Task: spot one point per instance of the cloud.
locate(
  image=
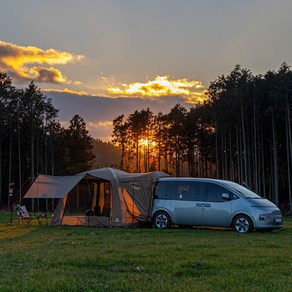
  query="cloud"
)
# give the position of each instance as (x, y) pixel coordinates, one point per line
(72, 92)
(102, 124)
(100, 129)
(34, 63)
(190, 90)
(66, 90)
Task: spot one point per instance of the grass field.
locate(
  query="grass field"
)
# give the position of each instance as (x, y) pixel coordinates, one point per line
(44, 258)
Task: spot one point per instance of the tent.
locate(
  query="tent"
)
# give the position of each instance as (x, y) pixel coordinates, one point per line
(115, 197)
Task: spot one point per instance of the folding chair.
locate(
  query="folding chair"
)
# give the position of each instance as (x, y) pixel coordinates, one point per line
(23, 215)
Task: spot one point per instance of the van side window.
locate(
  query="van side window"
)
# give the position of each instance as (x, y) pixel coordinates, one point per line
(214, 193)
(197, 191)
(180, 191)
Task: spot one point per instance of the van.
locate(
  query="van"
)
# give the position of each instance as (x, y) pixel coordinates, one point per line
(211, 202)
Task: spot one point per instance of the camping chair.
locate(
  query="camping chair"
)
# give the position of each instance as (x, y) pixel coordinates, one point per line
(23, 215)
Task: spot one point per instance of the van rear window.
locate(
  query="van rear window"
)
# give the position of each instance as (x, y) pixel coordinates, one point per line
(161, 191)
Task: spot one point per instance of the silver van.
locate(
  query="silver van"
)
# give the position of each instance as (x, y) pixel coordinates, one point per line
(211, 202)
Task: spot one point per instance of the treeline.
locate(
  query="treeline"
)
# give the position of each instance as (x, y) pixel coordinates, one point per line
(106, 154)
(242, 133)
(32, 140)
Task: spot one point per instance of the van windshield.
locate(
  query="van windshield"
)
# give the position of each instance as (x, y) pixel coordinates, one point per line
(244, 191)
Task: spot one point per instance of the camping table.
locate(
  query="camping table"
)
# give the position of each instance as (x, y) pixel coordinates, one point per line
(41, 218)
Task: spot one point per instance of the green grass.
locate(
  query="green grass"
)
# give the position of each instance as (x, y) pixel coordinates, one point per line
(44, 258)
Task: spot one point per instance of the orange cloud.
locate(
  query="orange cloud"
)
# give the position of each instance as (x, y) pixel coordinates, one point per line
(66, 90)
(34, 63)
(70, 91)
(100, 124)
(91, 125)
(192, 91)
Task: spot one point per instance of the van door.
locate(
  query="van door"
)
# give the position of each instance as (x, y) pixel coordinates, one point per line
(186, 202)
(216, 210)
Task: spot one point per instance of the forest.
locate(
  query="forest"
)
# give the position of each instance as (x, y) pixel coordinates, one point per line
(241, 133)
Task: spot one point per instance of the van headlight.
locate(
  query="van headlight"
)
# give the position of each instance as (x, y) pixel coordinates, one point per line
(264, 217)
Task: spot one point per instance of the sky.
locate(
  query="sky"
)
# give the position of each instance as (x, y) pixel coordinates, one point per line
(104, 58)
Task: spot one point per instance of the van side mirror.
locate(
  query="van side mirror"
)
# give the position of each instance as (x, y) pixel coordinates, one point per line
(226, 196)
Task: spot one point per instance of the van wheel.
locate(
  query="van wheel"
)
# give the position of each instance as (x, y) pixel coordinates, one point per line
(242, 224)
(161, 220)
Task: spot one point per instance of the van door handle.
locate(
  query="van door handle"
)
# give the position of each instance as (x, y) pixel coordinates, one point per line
(199, 205)
(207, 205)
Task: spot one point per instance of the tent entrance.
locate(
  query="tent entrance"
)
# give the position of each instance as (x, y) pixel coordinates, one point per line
(88, 203)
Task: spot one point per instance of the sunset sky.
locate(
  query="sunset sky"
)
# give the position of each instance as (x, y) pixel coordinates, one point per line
(101, 59)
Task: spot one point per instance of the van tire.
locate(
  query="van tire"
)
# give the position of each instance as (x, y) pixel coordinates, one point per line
(242, 224)
(161, 220)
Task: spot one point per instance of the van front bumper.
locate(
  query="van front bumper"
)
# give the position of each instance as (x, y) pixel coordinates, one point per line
(271, 220)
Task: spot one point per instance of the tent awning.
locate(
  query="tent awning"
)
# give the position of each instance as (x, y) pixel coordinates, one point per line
(50, 187)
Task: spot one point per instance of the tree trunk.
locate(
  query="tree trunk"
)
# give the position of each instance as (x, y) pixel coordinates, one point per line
(191, 154)
(231, 173)
(32, 155)
(275, 161)
(46, 153)
(166, 160)
(46, 146)
(177, 164)
(122, 156)
(238, 157)
(225, 155)
(159, 155)
(39, 165)
(52, 157)
(255, 158)
(222, 158)
(1, 188)
(263, 167)
(288, 165)
(216, 150)
(289, 128)
(138, 156)
(10, 163)
(244, 143)
(19, 165)
(241, 159)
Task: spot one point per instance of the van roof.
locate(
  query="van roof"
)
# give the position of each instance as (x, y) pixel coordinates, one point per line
(190, 178)
(198, 179)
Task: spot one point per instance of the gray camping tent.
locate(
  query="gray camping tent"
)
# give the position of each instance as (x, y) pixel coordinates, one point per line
(118, 198)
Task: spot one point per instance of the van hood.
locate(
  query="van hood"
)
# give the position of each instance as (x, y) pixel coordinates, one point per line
(262, 203)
